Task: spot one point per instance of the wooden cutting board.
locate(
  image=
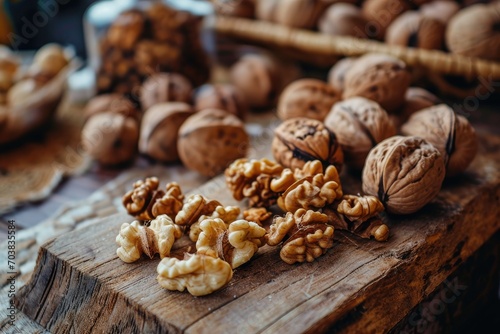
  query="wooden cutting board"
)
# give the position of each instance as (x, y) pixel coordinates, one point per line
(81, 286)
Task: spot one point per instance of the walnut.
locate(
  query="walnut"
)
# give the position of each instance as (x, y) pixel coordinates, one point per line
(47, 63)
(170, 203)
(140, 200)
(336, 75)
(159, 130)
(404, 172)
(216, 132)
(416, 30)
(126, 29)
(157, 238)
(291, 13)
(359, 124)
(473, 31)
(416, 99)
(343, 19)
(240, 8)
(235, 243)
(21, 91)
(195, 207)
(228, 215)
(299, 140)
(257, 215)
(450, 133)
(199, 274)
(9, 65)
(221, 96)
(440, 10)
(111, 138)
(358, 215)
(378, 77)
(305, 235)
(381, 13)
(112, 102)
(252, 178)
(165, 87)
(309, 98)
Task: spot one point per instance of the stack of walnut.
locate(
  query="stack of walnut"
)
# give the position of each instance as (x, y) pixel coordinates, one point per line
(311, 197)
(140, 43)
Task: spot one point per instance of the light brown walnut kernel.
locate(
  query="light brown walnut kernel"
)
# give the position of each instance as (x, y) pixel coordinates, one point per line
(306, 235)
(299, 140)
(359, 208)
(157, 238)
(199, 274)
(257, 215)
(404, 172)
(310, 98)
(235, 243)
(359, 124)
(195, 207)
(140, 200)
(228, 215)
(171, 203)
(451, 134)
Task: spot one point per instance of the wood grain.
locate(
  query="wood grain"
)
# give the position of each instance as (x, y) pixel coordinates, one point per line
(80, 285)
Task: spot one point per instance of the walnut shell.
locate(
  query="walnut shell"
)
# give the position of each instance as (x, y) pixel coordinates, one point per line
(159, 130)
(240, 8)
(416, 99)
(210, 140)
(405, 173)
(291, 13)
(343, 19)
(309, 98)
(442, 10)
(381, 13)
(336, 75)
(359, 124)
(110, 138)
(378, 77)
(450, 133)
(116, 103)
(257, 78)
(299, 140)
(415, 30)
(474, 31)
(221, 96)
(165, 87)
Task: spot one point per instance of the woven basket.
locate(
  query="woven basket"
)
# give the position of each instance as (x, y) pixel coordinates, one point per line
(325, 46)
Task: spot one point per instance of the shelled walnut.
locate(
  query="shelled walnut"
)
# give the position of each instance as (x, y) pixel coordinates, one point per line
(404, 172)
(378, 77)
(215, 131)
(305, 235)
(195, 207)
(252, 179)
(358, 215)
(199, 274)
(145, 201)
(112, 102)
(235, 243)
(450, 133)
(111, 138)
(227, 214)
(257, 215)
(156, 238)
(159, 130)
(309, 98)
(221, 96)
(299, 140)
(359, 124)
(165, 87)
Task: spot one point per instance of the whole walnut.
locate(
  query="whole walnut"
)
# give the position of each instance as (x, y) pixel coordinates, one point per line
(240, 8)
(450, 133)
(165, 87)
(299, 140)
(210, 140)
(336, 75)
(381, 13)
(359, 124)
(343, 19)
(309, 98)
(159, 130)
(415, 30)
(416, 99)
(113, 102)
(378, 77)
(442, 10)
(257, 78)
(405, 173)
(221, 96)
(474, 31)
(110, 138)
(291, 13)
(47, 62)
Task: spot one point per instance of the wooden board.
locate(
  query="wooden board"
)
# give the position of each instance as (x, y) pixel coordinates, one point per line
(80, 285)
